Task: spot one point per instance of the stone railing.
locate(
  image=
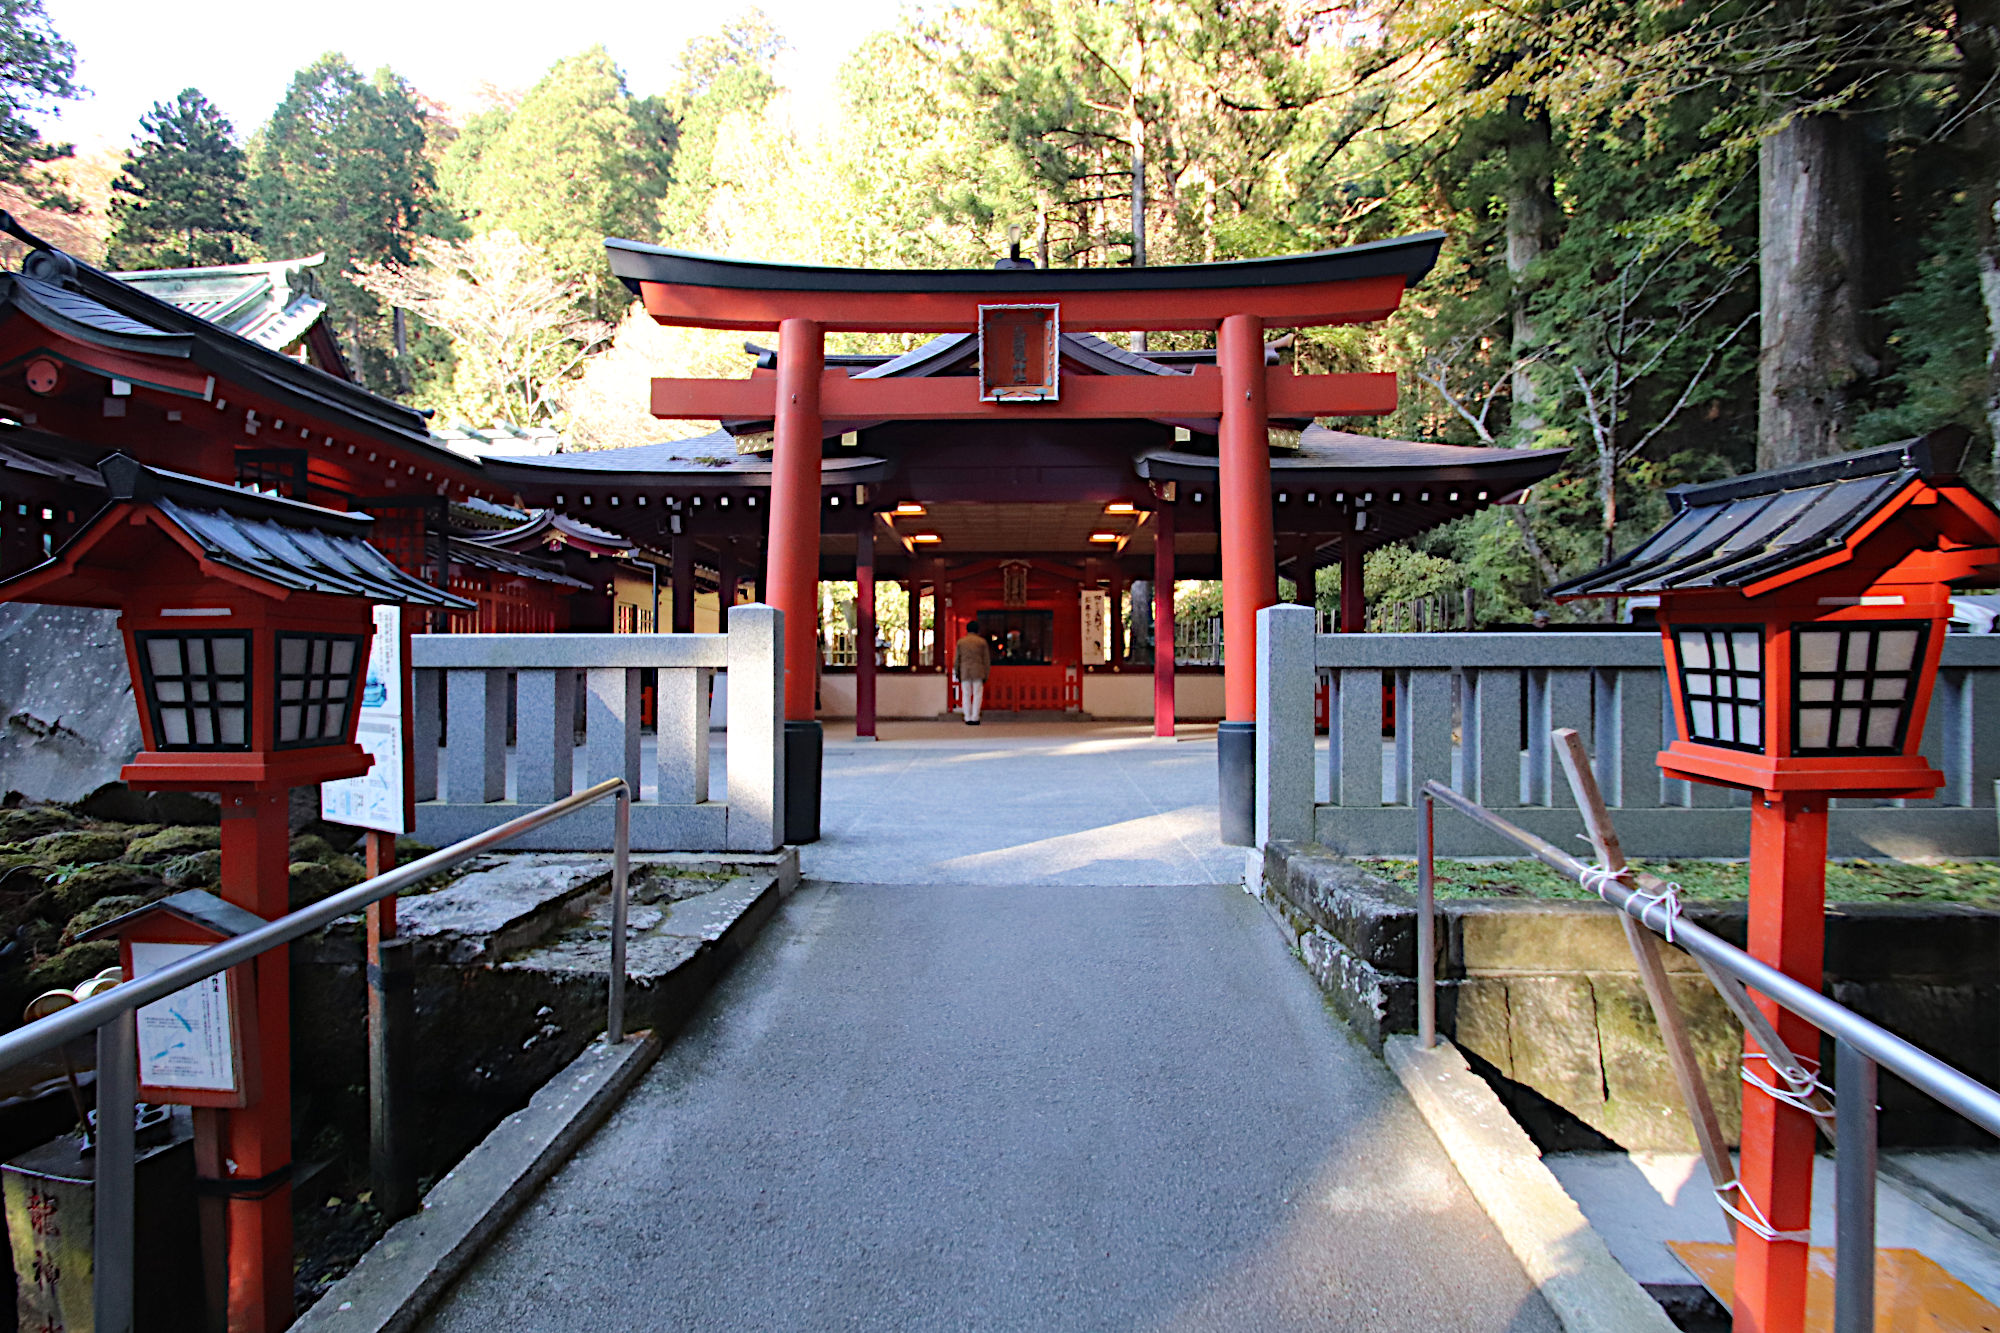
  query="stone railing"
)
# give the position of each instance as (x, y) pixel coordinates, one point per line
(1474, 711)
(473, 781)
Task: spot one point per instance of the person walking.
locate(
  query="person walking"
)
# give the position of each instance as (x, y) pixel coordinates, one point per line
(971, 661)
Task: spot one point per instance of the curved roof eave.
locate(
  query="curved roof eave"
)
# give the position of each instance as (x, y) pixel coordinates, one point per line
(751, 472)
(1408, 257)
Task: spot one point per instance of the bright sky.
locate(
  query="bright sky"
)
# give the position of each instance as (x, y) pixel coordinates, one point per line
(132, 53)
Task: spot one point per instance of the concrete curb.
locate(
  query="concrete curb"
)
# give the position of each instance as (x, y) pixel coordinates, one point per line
(1567, 1261)
(395, 1283)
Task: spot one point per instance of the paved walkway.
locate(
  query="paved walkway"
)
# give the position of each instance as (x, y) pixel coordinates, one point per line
(1020, 802)
(1025, 1095)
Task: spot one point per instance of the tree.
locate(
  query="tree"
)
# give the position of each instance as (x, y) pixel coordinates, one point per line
(37, 69)
(577, 160)
(511, 317)
(180, 201)
(341, 167)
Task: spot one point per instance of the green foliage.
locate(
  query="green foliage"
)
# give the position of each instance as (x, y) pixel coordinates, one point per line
(580, 158)
(1938, 345)
(180, 201)
(341, 167)
(37, 69)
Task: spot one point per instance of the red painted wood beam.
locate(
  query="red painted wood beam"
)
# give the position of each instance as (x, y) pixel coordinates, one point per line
(948, 398)
(1352, 301)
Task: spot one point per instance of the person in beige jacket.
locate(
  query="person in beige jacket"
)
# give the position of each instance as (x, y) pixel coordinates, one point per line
(972, 660)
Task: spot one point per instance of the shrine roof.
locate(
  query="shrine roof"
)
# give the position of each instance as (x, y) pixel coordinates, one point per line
(708, 458)
(97, 308)
(1725, 534)
(550, 527)
(1338, 455)
(479, 554)
(1406, 257)
(268, 303)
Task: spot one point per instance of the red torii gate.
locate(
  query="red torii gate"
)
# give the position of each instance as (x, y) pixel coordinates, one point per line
(1239, 300)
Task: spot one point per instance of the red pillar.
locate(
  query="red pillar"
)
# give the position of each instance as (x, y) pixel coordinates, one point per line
(1788, 931)
(795, 480)
(1115, 594)
(864, 624)
(683, 585)
(1249, 557)
(257, 1139)
(725, 573)
(1353, 597)
(1163, 619)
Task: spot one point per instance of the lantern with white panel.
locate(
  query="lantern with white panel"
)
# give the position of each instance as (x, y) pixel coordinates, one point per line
(1803, 612)
(247, 621)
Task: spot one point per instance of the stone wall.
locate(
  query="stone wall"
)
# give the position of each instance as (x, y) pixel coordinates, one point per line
(67, 720)
(1545, 1000)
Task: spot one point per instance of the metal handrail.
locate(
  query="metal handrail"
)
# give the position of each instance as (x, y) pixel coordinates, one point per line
(110, 1014)
(47, 1034)
(1959, 1091)
(1860, 1046)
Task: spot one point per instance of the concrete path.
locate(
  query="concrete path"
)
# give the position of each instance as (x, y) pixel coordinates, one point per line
(1033, 1107)
(1020, 802)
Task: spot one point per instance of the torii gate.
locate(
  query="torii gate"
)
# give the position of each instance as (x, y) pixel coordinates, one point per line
(1239, 300)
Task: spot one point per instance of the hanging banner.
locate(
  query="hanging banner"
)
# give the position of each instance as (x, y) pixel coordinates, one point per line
(380, 798)
(1096, 635)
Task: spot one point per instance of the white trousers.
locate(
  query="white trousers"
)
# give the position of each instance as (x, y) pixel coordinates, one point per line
(972, 693)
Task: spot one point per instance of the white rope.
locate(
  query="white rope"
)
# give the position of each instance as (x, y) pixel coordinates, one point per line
(1752, 1217)
(1667, 902)
(1800, 1082)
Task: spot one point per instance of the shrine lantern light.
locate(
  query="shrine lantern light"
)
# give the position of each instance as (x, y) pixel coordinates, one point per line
(1803, 611)
(246, 622)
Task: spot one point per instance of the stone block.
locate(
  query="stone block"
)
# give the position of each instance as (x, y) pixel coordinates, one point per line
(1553, 1025)
(1481, 1021)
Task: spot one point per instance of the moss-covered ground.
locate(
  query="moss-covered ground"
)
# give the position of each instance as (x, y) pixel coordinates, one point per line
(1972, 882)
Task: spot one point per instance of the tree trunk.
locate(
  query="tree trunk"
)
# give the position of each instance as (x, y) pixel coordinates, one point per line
(1979, 65)
(1138, 209)
(1813, 264)
(1531, 224)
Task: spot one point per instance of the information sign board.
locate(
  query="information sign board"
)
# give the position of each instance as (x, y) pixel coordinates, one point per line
(379, 798)
(187, 1040)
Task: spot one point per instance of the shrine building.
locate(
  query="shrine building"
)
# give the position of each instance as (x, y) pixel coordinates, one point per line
(1019, 468)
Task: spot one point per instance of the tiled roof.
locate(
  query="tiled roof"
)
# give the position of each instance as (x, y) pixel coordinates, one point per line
(1725, 534)
(296, 546)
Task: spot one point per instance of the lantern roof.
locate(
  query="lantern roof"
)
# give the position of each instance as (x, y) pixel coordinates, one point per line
(278, 546)
(195, 906)
(1770, 528)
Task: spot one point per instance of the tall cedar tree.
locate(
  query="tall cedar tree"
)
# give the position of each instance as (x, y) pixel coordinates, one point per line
(180, 201)
(577, 160)
(341, 168)
(37, 68)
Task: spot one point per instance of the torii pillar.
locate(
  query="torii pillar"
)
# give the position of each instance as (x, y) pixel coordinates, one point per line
(793, 563)
(1163, 618)
(1249, 564)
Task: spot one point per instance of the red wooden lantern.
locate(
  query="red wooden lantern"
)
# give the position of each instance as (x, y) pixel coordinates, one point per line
(246, 622)
(1803, 612)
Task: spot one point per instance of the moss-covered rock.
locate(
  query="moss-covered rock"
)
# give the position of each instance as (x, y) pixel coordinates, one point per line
(314, 880)
(312, 847)
(99, 912)
(76, 847)
(106, 880)
(196, 870)
(77, 963)
(168, 844)
(32, 821)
